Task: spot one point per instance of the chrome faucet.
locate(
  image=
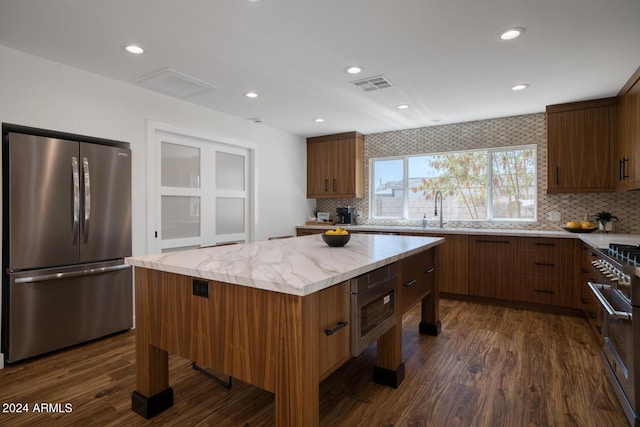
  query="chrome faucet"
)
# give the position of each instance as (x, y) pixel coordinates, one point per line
(436, 212)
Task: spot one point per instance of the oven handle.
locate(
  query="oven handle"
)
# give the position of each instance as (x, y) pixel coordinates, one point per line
(595, 288)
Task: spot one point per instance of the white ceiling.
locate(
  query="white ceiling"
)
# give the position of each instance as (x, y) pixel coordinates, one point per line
(443, 57)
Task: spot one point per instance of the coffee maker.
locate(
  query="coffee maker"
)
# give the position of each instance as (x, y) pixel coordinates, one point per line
(346, 216)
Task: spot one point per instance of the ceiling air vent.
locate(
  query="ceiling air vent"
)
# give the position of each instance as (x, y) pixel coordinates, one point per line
(373, 83)
(173, 83)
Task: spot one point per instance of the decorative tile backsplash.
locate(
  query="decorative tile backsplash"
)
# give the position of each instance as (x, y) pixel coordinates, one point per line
(502, 132)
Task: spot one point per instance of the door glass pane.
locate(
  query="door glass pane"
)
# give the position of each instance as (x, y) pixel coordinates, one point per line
(229, 171)
(180, 217)
(229, 215)
(180, 166)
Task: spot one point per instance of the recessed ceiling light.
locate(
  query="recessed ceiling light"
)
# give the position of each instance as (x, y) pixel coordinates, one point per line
(132, 48)
(251, 95)
(318, 120)
(511, 33)
(402, 106)
(353, 69)
(521, 86)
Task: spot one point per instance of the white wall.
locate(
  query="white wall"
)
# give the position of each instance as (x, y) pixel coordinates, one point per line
(40, 93)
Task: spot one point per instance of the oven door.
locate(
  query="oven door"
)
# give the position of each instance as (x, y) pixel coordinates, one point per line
(372, 314)
(617, 330)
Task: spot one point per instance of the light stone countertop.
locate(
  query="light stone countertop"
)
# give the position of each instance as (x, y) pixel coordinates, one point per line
(297, 266)
(596, 236)
(601, 240)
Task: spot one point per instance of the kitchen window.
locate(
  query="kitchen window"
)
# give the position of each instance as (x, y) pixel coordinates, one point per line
(496, 184)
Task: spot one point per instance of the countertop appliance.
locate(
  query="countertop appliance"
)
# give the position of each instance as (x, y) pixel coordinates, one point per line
(66, 230)
(616, 286)
(346, 216)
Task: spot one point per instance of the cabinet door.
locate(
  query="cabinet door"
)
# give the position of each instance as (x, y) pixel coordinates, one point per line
(317, 169)
(334, 338)
(580, 150)
(628, 140)
(418, 278)
(453, 264)
(491, 266)
(344, 176)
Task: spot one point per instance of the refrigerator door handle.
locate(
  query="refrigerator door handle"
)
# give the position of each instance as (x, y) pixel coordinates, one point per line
(55, 276)
(87, 197)
(76, 198)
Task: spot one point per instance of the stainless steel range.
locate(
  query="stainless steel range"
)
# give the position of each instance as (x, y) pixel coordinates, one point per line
(618, 290)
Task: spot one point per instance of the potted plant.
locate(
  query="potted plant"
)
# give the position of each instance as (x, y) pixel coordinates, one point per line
(605, 219)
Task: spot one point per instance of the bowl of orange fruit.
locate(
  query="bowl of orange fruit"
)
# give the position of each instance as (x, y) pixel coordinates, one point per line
(580, 227)
(336, 238)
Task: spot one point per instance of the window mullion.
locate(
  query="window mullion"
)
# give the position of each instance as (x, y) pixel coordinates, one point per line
(405, 187)
(489, 185)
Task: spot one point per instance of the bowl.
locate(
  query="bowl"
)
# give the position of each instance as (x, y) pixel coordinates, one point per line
(580, 230)
(337, 240)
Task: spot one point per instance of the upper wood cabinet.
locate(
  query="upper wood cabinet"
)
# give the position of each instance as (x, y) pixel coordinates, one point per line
(627, 138)
(580, 138)
(335, 166)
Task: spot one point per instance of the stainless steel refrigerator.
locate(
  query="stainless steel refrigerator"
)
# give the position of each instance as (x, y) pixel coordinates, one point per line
(66, 231)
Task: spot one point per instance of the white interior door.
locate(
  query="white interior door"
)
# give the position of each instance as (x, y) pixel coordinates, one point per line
(203, 193)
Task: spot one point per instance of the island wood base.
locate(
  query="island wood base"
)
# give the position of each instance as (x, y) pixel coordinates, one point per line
(268, 339)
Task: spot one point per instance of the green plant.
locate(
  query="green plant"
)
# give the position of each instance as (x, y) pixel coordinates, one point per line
(605, 217)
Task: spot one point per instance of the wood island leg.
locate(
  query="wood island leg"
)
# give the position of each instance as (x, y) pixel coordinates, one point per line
(389, 369)
(430, 322)
(297, 394)
(153, 394)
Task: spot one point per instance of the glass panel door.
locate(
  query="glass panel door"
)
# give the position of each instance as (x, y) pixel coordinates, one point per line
(181, 193)
(231, 176)
(203, 196)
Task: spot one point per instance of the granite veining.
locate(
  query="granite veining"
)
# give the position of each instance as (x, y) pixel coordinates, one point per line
(297, 266)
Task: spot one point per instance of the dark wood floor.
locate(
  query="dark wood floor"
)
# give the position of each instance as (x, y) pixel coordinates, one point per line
(490, 366)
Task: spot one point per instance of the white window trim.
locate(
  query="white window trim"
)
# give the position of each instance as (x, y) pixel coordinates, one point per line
(490, 151)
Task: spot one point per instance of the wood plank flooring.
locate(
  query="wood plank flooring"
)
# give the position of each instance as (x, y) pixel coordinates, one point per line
(490, 366)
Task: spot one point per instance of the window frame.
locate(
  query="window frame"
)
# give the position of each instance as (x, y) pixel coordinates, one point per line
(489, 201)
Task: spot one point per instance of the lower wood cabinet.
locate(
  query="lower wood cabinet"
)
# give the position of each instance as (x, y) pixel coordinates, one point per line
(453, 260)
(546, 272)
(492, 271)
(417, 278)
(536, 270)
(334, 348)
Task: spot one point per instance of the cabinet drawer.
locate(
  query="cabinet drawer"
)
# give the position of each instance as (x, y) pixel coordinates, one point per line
(334, 347)
(418, 278)
(546, 266)
(545, 291)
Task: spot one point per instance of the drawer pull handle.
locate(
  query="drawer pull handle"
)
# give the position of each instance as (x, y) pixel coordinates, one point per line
(544, 244)
(340, 325)
(492, 241)
(410, 283)
(430, 270)
(544, 291)
(544, 264)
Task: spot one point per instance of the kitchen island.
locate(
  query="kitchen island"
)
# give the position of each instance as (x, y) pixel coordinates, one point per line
(253, 311)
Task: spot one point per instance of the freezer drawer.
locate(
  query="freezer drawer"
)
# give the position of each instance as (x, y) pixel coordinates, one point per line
(56, 308)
